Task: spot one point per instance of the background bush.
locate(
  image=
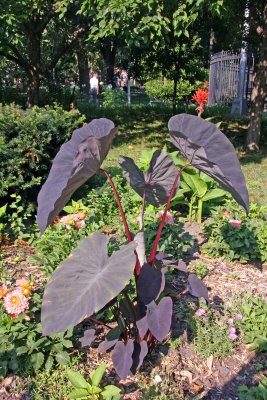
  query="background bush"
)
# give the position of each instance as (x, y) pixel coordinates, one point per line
(29, 140)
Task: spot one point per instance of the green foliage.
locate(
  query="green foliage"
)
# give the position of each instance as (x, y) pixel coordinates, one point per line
(254, 321)
(211, 335)
(258, 392)
(23, 349)
(29, 139)
(113, 98)
(18, 220)
(163, 89)
(2, 215)
(174, 240)
(52, 384)
(199, 268)
(249, 242)
(92, 389)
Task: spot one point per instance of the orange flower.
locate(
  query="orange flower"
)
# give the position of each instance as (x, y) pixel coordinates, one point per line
(26, 286)
(3, 291)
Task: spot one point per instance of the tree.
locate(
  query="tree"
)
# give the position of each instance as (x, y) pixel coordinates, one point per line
(258, 27)
(24, 26)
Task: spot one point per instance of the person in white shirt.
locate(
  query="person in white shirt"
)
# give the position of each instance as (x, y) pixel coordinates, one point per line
(94, 85)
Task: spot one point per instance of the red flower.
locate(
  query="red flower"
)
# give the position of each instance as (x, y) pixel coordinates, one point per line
(201, 97)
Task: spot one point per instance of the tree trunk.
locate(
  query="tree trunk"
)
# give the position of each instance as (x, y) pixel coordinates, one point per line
(174, 97)
(109, 54)
(83, 68)
(259, 91)
(34, 74)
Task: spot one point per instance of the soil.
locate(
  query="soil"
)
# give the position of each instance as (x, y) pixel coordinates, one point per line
(184, 374)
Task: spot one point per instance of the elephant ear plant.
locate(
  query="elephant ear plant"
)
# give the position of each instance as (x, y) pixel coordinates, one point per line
(89, 280)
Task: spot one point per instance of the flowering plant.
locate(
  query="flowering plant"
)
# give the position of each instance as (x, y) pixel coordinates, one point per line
(200, 97)
(16, 298)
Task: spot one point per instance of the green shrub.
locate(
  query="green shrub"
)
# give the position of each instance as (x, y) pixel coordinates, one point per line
(29, 139)
(113, 97)
(163, 89)
(248, 242)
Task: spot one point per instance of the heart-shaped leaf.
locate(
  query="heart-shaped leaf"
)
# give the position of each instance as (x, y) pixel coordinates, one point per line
(85, 282)
(141, 318)
(122, 358)
(88, 337)
(159, 318)
(139, 353)
(157, 182)
(106, 345)
(77, 160)
(210, 151)
(149, 283)
(197, 287)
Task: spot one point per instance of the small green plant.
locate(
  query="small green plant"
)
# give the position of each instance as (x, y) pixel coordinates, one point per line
(92, 389)
(199, 268)
(2, 215)
(258, 392)
(234, 236)
(210, 331)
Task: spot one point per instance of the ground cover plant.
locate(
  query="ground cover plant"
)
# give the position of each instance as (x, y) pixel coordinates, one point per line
(144, 317)
(235, 236)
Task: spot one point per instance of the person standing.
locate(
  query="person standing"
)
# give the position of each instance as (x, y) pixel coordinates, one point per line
(124, 79)
(94, 88)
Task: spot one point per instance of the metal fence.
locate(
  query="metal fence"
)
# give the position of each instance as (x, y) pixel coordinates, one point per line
(224, 77)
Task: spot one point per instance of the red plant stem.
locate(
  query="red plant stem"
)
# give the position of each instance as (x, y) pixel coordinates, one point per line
(126, 227)
(96, 321)
(156, 242)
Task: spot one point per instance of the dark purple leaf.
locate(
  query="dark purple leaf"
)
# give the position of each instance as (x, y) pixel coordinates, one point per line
(156, 182)
(77, 160)
(88, 337)
(209, 150)
(148, 283)
(141, 319)
(85, 282)
(122, 358)
(159, 318)
(163, 280)
(180, 265)
(142, 326)
(106, 345)
(141, 247)
(139, 353)
(197, 288)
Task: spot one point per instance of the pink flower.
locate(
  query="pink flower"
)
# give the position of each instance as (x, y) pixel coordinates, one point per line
(232, 330)
(232, 336)
(230, 321)
(80, 224)
(239, 316)
(168, 219)
(235, 223)
(15, 302)
(200, 312)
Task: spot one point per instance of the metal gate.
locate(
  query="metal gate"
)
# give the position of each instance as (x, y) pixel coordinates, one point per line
(224, 77)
